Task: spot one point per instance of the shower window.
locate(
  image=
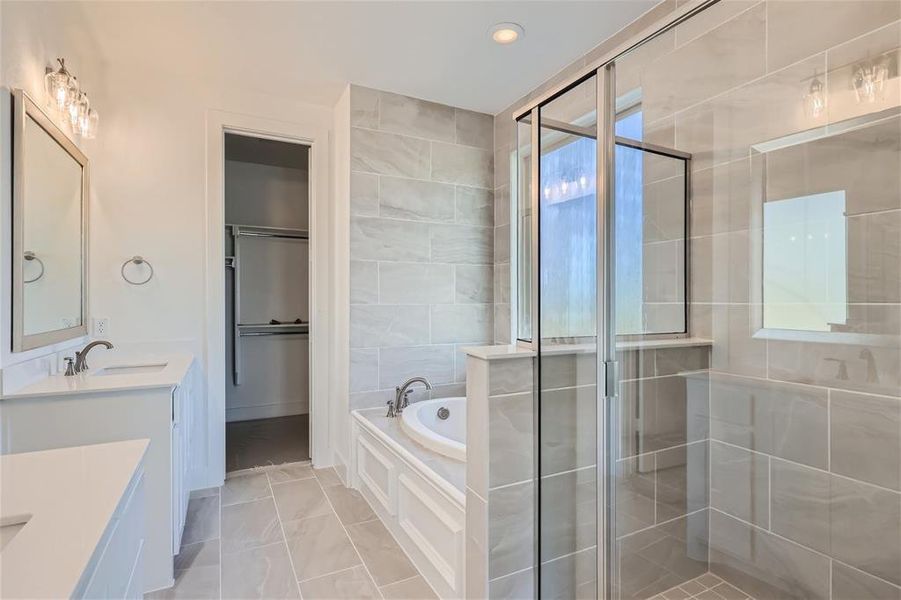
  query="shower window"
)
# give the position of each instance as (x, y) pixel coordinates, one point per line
(650, 231)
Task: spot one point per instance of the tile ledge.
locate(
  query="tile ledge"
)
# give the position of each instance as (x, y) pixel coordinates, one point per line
(512, 351)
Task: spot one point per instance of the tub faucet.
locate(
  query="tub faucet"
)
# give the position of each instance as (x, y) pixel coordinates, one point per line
(81, 357)
(402, 395)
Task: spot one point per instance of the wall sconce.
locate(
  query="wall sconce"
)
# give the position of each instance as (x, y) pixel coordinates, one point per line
(869, 80)
(65, 94)
(815, 99)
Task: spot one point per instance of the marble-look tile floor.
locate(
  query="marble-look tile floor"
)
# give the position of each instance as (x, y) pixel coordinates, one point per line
(705, 587)
(289, 532)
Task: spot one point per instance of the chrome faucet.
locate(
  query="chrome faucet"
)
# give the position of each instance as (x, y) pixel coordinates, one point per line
(81, 357)
(402, 395)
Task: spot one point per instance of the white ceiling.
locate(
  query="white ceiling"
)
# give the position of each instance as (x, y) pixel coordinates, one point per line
(307, 50)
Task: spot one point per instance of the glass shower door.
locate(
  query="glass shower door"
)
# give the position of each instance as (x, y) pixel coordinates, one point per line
(566, 336)
(757, 424)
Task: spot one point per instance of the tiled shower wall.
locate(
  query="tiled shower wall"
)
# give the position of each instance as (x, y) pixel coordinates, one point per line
(421, 242)
(804, 447)
(805, 436)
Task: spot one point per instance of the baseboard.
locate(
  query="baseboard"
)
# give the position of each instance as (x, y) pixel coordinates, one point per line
(266, 411)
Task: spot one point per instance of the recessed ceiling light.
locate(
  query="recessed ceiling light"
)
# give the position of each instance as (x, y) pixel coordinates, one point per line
(506, 33)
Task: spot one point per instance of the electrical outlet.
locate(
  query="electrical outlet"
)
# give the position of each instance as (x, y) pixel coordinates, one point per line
(101, 326)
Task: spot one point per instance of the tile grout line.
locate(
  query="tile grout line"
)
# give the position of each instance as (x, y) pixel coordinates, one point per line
(281, 526)
(349, 538)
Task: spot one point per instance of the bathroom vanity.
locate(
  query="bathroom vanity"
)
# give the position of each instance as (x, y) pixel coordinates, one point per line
(156, 399)
(71, 522)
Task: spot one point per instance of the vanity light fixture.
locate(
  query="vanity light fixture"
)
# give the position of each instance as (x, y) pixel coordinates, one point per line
(869, 80)
(506, 33)
(65, 94)
(59, 85)
(815, 99)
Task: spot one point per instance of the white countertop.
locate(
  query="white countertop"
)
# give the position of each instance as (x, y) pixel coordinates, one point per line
(71, 494)
(89, 382)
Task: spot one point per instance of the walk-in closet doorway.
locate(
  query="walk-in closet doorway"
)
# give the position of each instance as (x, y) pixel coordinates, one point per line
(267, 301)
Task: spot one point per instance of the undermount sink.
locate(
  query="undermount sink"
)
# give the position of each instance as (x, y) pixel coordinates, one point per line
(9, 527)
(129, 370)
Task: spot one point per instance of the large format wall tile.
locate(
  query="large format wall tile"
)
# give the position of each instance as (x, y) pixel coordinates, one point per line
(568, 516)
(510, 529)
(673, 411)
(739, 483)
(364, 282)
(865, 527)
(364, 194)
(734, 349)
(719, 60)
(415, 283)
(420, 118)
(462, 164)
(461, 244)
(865, 368)
(459, 323)
(796, 30)
(474, 284)
(634, 492)
(415, 200)
(474, 206)
(801, 504)
(511, 439)
(372, 326)
(570, 577)
(860, 162)
(388, 239)
(396, 365)
(475, 129)
(850, 584)
(364, 369)
(789, 421)
(568, 429)
(874, 257)
(764, 565)
(389, 154)
(866, 438)
(682, 480)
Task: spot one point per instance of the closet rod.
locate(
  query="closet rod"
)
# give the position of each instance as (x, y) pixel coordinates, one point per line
(262, 333)
(266, 234)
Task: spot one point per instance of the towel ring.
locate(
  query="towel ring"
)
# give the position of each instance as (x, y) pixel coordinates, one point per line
(138, 260)
(31, 256)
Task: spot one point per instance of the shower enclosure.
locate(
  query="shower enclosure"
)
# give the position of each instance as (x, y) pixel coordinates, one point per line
(709, 270)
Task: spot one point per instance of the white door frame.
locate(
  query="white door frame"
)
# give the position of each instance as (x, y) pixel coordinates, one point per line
(314, 131)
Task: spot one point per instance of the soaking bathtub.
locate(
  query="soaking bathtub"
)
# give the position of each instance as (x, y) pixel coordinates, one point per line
(439, 425)
(412, 471)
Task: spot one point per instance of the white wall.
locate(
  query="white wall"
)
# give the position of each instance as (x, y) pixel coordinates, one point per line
(31, 37)
(149, 180)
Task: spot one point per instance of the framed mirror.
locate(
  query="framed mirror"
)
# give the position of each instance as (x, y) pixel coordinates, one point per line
(50, 206)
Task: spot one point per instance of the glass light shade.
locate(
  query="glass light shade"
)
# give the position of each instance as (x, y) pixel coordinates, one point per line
(87, 125)
(815, 99)
(58, 85)
(78, 109)
(869, 81)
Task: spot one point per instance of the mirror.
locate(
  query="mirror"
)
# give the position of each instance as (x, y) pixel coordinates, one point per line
(50, 190)
(828, 268)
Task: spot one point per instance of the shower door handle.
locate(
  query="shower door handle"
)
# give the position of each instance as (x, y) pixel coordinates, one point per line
(609, 377)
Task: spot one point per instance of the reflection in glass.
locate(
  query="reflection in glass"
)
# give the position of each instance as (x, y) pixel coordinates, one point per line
(805, 266)
(51, 234)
